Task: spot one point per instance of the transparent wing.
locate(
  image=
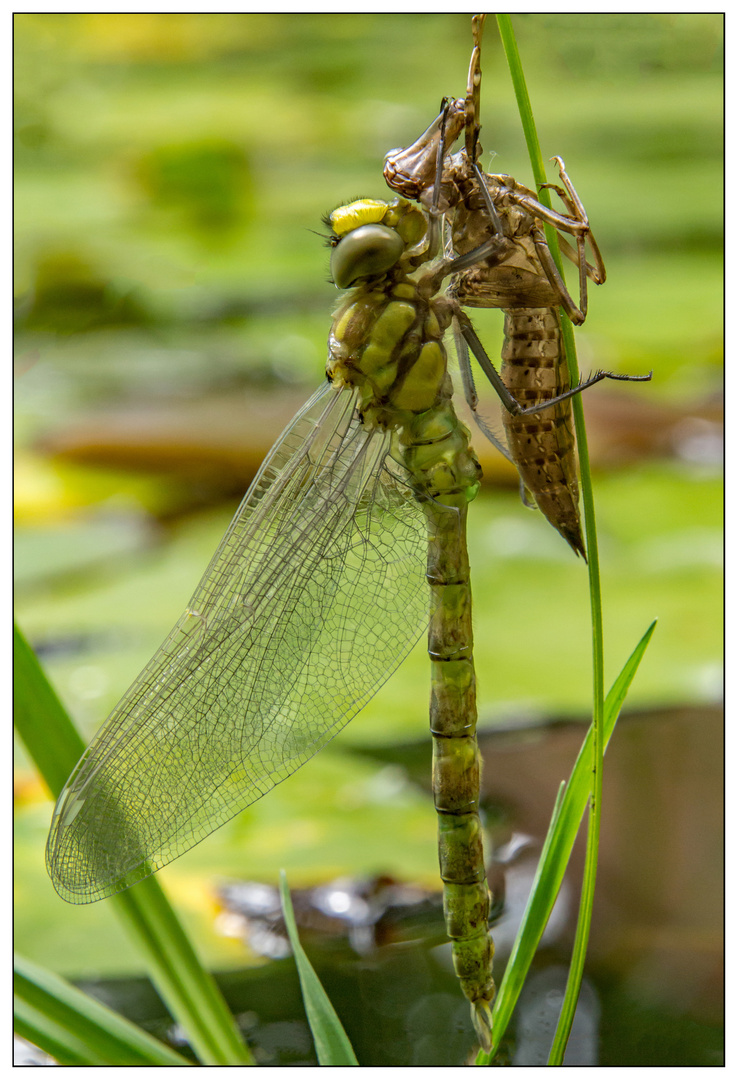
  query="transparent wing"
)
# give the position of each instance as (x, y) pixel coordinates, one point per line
(313, 598)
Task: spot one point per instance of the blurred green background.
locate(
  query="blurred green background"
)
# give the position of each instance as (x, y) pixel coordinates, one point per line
(172, 312)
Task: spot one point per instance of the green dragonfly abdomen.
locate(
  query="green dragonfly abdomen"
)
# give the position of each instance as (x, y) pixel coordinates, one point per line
(386, 341)
(457, 762)
(443, 463)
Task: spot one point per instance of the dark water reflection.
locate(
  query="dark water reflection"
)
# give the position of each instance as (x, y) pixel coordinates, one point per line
(653, 993)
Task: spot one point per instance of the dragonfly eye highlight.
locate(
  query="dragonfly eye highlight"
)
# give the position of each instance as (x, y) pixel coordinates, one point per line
(365, 252)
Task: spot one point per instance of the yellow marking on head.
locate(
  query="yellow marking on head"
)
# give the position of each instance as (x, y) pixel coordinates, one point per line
(361, 212)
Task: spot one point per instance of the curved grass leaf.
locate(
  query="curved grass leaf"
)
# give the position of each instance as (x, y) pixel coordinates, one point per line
(189, 991)
(75, 1028)
(331, 1041)
(552, 864)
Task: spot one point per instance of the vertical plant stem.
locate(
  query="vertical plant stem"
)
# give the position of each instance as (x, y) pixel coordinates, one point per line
(576, 969)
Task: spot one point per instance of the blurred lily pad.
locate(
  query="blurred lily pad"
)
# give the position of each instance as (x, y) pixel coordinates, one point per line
(207, 182)
(78, 546)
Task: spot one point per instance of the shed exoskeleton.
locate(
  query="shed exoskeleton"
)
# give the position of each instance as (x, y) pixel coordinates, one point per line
(496, 224)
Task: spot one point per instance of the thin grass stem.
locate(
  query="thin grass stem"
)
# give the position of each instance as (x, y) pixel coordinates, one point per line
(576, 969)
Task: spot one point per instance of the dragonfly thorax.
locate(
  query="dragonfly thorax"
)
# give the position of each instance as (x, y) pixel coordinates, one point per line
(386, 342)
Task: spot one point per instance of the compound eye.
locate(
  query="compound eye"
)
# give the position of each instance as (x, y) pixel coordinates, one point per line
(365, 252)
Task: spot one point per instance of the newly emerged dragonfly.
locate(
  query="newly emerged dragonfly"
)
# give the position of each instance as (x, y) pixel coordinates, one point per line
(519, 275)
(349, 543)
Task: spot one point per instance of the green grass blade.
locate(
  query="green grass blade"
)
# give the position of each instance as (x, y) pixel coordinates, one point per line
(552, 864)
(41, 720)
(189, 991)
(510, 45)
(331, 1042)
(75, 1028)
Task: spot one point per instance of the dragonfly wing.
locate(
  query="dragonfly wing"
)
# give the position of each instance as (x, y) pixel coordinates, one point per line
(313, 598)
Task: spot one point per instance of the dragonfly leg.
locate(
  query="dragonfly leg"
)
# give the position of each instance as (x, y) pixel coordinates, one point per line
(597, 377)
(430, 283)
(471, 339)
(435, 216)
(577, 225)
(562, 222)
(411, 171)
(449, 111)
(496, 242)
(508, 400)
(488, 203)
(593, 272)
(495, 246)
(574, 204)
(577, 315)
(470, 393)
(492, 246)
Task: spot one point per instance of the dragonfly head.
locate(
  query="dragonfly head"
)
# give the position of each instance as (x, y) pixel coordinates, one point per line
(411, 170)
(370, 236)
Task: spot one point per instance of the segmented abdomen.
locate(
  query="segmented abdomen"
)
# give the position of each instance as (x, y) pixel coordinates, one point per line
(534, 370)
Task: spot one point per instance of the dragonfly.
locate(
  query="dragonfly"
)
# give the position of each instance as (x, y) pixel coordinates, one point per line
(519, 275)
(349, 544)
